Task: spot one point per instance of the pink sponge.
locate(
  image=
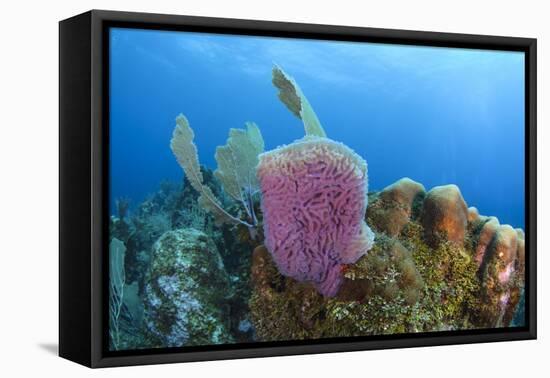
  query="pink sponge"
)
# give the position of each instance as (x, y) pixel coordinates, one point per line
(314, 197)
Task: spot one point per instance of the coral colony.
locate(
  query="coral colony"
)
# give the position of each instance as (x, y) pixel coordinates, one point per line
(278, 245)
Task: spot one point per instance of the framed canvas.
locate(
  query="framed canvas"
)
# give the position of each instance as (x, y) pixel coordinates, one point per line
(216, 202)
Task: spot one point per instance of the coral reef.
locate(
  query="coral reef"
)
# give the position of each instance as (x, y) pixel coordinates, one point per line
(415, 279)
(182, 272)
(186, 288)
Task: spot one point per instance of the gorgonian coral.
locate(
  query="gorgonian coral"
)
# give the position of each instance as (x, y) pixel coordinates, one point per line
(237, 162)
(236, 166)
(291, 95)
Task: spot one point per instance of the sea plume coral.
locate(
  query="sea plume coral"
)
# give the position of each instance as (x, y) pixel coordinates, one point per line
(117, 279)
(314, 197)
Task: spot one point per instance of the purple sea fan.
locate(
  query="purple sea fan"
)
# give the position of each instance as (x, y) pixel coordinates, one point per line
(314, 197)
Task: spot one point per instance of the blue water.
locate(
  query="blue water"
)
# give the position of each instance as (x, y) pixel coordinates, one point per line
(436, 115)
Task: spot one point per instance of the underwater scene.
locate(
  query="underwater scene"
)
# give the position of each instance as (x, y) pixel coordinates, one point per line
(242, 208)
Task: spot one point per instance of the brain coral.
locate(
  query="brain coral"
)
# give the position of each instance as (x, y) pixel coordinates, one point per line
(314, 197)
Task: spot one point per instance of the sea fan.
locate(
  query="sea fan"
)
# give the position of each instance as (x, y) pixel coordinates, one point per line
(291, 95)
(186, 154)
(237, 161)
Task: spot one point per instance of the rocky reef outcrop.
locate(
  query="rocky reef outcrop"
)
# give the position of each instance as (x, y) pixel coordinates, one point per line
(186, 289)
(435, 265)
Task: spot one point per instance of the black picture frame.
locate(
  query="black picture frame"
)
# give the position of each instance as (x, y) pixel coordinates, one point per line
(83, 181)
